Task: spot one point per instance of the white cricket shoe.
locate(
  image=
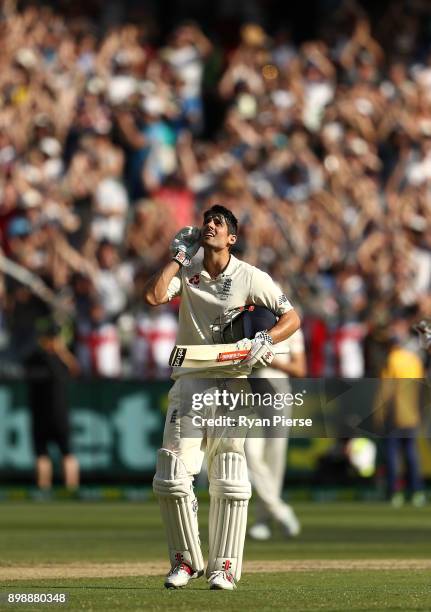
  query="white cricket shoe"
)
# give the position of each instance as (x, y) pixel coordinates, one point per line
(291, 526)
(179, 576)
(221, 580)
(260, 532)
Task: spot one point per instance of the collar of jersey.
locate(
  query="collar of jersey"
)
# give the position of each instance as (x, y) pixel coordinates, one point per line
(228, 270)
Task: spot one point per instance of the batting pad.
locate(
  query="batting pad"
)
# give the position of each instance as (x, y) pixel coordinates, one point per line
(230, 491)
(178, 505)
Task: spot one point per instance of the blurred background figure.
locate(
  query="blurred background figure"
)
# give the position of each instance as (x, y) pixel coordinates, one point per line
(154, 338)
(48, 367)
(397, 413)
(98, 343)
(266, 451)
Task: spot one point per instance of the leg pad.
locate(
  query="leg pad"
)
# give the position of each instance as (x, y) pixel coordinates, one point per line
(230, 491)
(178, 505)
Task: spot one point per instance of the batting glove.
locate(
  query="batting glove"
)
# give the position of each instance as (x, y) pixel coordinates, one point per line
(260, 349)
(424, 330)
(185, 245)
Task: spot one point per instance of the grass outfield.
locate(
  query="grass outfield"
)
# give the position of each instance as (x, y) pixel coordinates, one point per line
(110, 557)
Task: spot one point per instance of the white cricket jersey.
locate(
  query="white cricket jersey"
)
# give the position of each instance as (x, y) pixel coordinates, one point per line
(204, 299)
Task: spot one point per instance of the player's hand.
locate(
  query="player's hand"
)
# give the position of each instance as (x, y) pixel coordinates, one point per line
(185, 245)
(261, 349)
(424, 330)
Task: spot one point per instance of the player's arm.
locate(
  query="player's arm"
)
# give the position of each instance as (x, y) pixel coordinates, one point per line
(156, 290)
(264, 292)
(261, 346)
(286, 325)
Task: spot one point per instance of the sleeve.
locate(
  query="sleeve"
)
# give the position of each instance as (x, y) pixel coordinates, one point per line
(264, 292)
(175, 286)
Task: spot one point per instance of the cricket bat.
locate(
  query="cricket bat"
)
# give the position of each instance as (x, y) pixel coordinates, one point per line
(212, 355)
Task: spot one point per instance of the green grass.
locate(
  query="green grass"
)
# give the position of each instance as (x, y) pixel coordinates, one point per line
(114, 532)
(64, 532)
(383, 590)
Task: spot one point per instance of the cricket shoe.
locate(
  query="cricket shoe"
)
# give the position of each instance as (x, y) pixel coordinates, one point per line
(179, 576)
(221, 580)
(290, 525)
(260, 532)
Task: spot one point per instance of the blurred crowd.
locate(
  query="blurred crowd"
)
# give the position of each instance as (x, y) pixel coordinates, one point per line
(111, 142)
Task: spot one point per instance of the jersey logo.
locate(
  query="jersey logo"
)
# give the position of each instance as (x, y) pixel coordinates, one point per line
(282, 299)
(194, 280)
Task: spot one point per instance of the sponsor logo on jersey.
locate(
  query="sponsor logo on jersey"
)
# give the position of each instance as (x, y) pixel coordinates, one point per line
(282, 299)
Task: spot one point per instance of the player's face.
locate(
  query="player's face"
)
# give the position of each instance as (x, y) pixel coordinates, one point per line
(215, 232)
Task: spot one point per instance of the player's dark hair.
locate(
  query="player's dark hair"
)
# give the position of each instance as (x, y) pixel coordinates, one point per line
(231, 220)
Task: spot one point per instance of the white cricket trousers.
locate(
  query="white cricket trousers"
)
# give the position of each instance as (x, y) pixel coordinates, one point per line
(266, 461)
(191, 441)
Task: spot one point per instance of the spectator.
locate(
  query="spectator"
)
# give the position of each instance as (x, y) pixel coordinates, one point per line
(112, 280)
(98, 343)
(398, 414)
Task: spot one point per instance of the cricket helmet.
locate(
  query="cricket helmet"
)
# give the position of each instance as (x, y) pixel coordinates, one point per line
(242, 322)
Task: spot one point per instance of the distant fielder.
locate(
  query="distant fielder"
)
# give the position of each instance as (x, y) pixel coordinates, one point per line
(209, 291)
(266, 453)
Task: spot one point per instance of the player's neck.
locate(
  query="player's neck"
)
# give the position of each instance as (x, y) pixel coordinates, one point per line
(216, 261)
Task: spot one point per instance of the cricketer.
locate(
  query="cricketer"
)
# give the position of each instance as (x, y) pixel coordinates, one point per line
(211, 290)
(266, 453)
